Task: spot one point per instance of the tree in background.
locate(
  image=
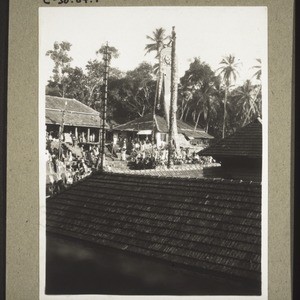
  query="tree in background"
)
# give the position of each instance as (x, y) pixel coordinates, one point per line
(185, 95)
(203, 95)
(85, 86)
(61, 59)
(247, 102)
(95, 76)
(157, 39)
(257, 67)
(112, 52)
(93, 81)
(198, 93)
(74, 84)
(228, 71)
(135, 91)
(257, 75)
(158, 42)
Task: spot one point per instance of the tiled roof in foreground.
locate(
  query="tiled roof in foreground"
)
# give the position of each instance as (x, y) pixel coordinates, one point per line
(245, 142)
(206, 224)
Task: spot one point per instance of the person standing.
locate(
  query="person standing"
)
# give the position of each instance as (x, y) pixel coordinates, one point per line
(123, 150)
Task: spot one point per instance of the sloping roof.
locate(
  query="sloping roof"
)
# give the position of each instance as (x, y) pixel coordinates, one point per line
(189, 131)
(245, 142)
(146, 123)
(76, 113)
(142, 123)
(205, 224)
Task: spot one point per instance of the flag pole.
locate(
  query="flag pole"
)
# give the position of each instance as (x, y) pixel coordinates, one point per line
(102, 152)
(153, 115)
(173, 95)
(61, 131)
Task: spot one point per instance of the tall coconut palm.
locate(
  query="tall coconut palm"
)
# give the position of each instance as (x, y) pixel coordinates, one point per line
(257, 74)
(157, 41)
(247, 101)
(157, 44)
(205, 104)
(228, 71)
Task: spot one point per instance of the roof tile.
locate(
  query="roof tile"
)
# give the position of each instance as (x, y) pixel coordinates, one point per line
(75, 112)
(212, 225)
(245, 142)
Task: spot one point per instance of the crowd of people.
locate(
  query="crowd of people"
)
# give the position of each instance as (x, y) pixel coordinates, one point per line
(142, 154)
(71, 138)
(67, 162)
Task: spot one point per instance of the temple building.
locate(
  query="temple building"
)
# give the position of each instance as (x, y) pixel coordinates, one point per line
(73, 118)
(142, 127)
(240, 154)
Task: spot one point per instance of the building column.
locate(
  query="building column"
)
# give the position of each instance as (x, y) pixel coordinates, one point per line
(158, 139)
(88, 134)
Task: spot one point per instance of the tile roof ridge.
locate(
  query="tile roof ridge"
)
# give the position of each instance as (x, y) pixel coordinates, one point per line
(227, 138)
(223, 180)
(75, 100)
(124, 124)
(65, 98)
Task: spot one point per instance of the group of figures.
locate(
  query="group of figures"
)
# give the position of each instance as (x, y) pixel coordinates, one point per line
(142, 154)
(67, 163)
(74, 139)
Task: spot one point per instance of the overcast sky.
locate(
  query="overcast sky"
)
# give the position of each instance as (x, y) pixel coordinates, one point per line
(205, 32)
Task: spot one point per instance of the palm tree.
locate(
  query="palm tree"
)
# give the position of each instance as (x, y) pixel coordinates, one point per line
(198, 89)
(157, 41)
(228, 71)
(205, 104)
(257, 74)
(247, 101)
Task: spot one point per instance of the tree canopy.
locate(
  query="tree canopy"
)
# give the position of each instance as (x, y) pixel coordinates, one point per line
(157, 40)
(206, 98)
(60, 56)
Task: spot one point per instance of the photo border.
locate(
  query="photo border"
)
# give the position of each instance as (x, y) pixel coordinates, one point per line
(23, 147)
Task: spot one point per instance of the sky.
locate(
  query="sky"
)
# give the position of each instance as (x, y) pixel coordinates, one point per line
(206, 32)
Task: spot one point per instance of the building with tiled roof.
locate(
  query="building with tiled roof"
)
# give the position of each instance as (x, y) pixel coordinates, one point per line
(144, 126)
(74, 116)
(212, 227)
(246, 142)
(239, 153)
(75, 113)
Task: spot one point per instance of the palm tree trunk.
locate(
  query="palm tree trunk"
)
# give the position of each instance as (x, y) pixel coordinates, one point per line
(225, 112)
(157, 94)
(252, 108)
(208, 115)
(173, 130)
(197, 120)
(185, 107)
(186, 113)
(181, 112)
(63, 90)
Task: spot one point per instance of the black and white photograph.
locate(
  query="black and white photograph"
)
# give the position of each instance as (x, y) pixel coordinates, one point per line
(153, 128)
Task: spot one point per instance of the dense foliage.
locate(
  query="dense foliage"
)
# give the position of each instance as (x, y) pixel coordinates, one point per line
(206, 98)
